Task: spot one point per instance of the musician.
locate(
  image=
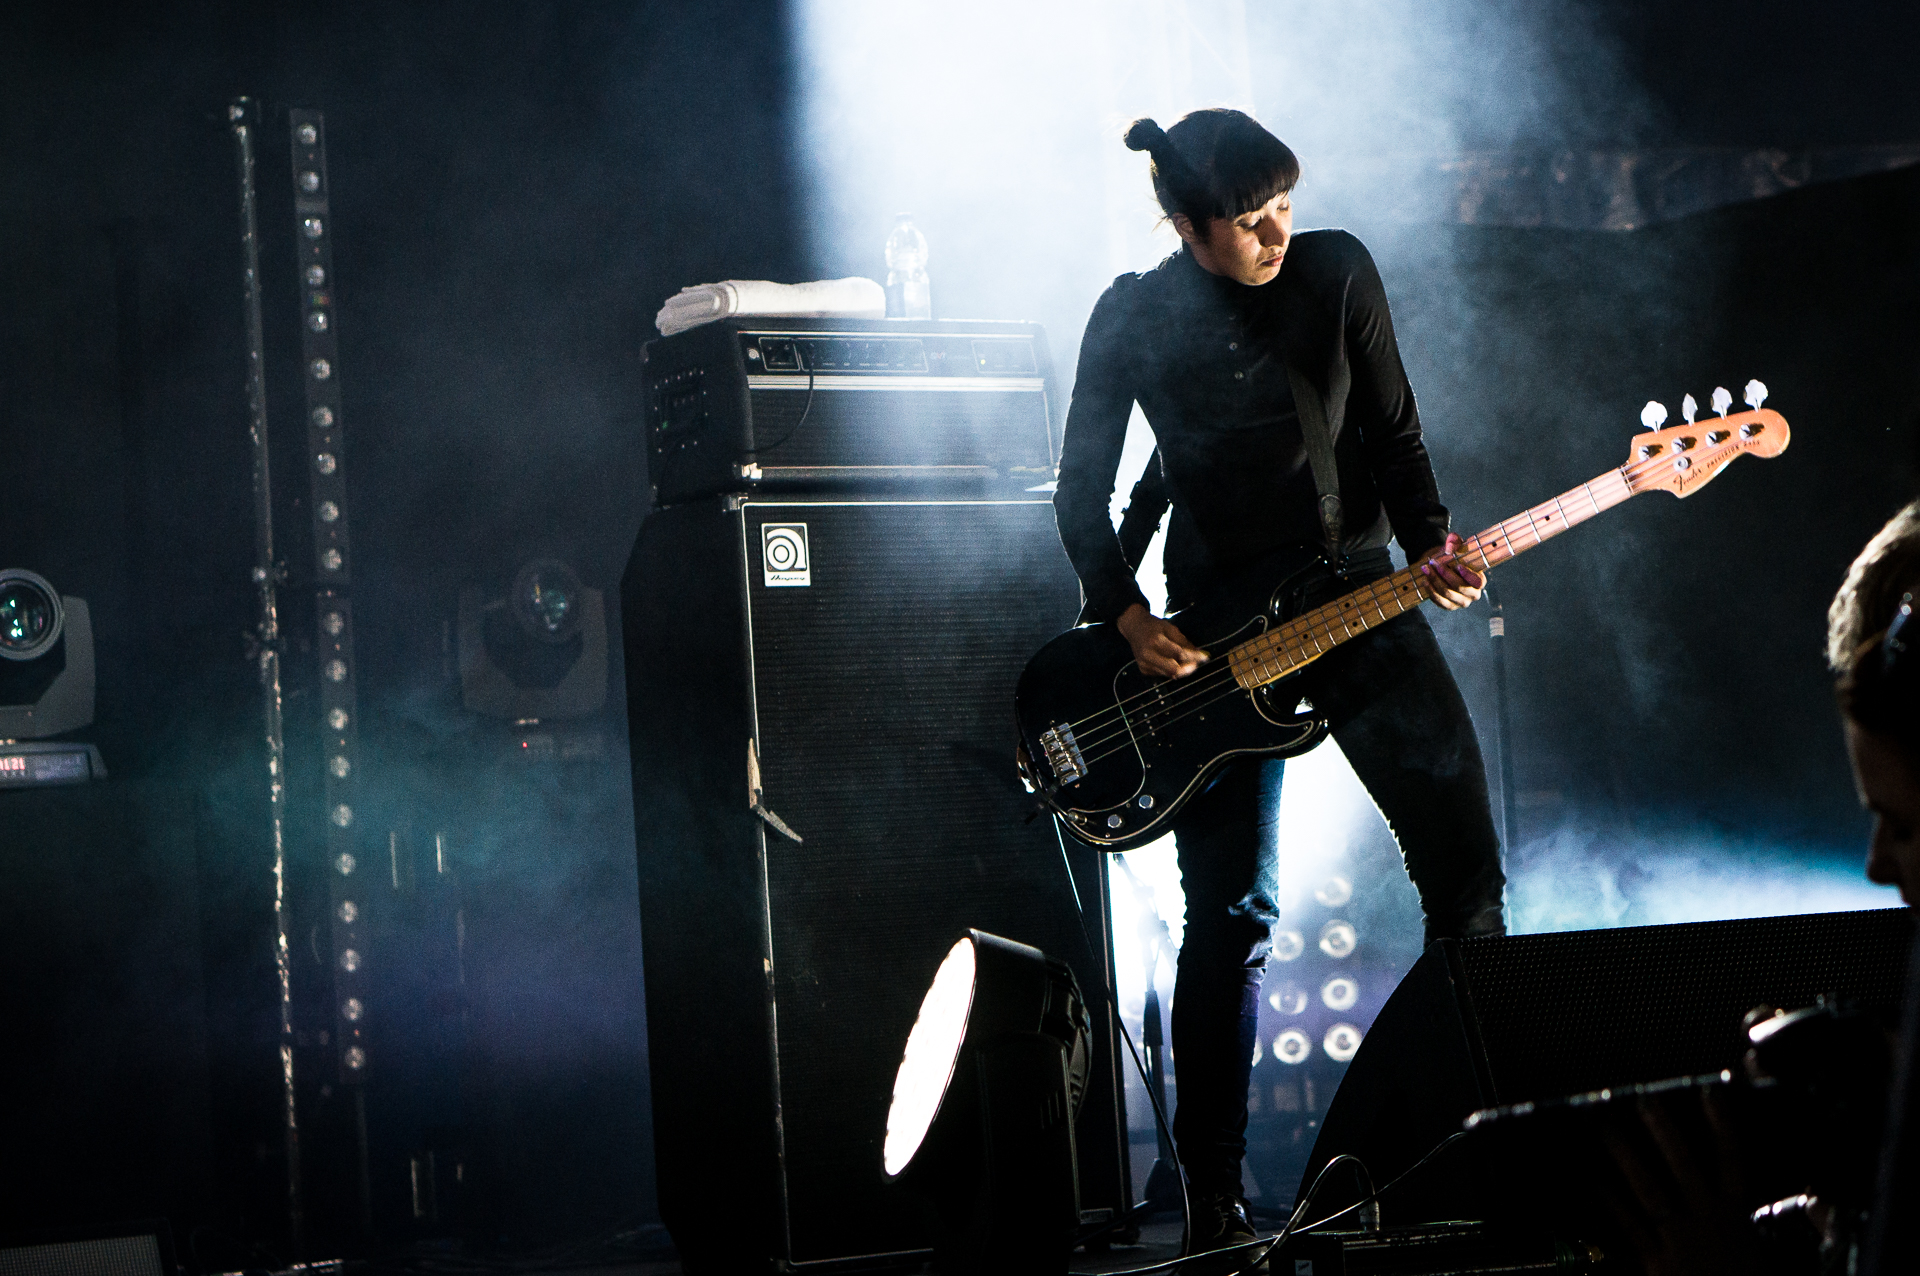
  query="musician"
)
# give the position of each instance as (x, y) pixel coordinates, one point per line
(1212, 344)
(1685, 1210)
(1873, 646)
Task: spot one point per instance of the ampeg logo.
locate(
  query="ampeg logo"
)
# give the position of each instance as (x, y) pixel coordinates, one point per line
(783, 554)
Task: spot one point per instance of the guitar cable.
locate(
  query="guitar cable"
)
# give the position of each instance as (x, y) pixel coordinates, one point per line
(1264, 1245)
(1260, 1248)
(805, 409)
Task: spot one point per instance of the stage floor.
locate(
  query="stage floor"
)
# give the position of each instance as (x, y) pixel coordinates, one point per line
(1158, 1243)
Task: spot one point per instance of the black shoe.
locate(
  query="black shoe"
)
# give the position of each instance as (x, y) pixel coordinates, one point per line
(1220, 1222)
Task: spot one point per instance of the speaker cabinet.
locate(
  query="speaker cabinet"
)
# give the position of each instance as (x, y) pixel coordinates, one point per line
(1480, 1023)
(845, 671)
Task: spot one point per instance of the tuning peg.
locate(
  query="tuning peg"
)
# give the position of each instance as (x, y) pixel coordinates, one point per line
(1721, 400)
(1653, 415)
(1756, 394)
(1689, 409)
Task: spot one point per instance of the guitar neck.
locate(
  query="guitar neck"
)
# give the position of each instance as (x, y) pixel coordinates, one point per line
(1307, 637)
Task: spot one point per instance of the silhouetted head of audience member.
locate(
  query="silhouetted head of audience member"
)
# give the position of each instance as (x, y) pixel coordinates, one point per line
(1873, 645)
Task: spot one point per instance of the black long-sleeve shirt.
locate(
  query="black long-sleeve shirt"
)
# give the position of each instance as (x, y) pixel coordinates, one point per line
(1207, 360)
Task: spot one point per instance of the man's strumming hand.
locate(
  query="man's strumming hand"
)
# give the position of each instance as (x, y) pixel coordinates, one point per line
(1159, 648)
(1452, 583)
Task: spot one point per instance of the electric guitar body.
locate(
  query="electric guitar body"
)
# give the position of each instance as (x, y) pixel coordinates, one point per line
(1139, 747)
(1115, 754)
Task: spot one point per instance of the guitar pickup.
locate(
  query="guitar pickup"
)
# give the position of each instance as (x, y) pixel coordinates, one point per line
(1063, 755)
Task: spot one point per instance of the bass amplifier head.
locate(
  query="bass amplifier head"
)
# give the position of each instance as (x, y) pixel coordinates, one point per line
(849, 405)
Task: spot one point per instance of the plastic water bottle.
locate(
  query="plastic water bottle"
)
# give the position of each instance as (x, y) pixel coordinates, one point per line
(908, 296)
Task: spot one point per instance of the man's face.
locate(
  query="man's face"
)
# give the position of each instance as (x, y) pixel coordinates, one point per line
(1889, 786)
(1247, 249)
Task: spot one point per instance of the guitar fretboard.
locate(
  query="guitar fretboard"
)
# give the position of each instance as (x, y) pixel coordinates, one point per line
(1304, 639)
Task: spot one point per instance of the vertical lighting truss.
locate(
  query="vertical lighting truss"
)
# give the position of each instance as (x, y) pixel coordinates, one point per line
(243, 118)
(332, 575)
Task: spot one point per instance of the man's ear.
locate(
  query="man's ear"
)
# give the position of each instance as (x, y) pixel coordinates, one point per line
(1183, 225)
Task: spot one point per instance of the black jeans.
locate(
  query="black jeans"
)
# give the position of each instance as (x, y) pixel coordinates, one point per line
(1400, 720)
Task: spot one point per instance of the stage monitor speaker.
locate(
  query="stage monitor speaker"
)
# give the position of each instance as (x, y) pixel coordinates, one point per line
(1479, 1023)
(820, 699)
(132, 1249)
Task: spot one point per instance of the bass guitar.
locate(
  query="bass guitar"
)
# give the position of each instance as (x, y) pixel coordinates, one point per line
(1115, 753)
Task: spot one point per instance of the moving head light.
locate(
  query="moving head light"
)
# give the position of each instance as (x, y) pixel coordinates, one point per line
(536, 650)
(46, 658)
(46, 682)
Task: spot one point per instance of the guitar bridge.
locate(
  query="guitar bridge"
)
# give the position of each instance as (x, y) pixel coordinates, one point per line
(1063, 755)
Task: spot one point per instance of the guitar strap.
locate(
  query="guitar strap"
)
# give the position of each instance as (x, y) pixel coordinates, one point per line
(1318, 433)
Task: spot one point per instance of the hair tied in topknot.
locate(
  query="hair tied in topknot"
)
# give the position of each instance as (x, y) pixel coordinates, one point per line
(1144, 135)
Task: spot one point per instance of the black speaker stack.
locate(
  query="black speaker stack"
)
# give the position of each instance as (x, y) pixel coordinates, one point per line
(851, 556)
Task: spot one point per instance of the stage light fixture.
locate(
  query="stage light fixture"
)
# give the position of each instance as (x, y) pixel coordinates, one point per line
(46, 681)
(1334, 892)
(1339, 993)
(535, 650)
(1288, 999)
(981, 1122)
(1342, 1042)
(1292, 1047)
(1288, 944)
(1338, 939)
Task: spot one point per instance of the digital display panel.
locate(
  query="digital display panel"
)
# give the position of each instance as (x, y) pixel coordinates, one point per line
(45, 766)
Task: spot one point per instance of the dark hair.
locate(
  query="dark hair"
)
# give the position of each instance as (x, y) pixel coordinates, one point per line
(1873, 641)
(1880, 689)
(1217, 162)
(1887, 568)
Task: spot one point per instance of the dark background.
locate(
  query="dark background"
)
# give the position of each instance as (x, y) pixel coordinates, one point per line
(515, 189)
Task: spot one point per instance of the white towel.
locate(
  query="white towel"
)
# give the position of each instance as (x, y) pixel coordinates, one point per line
(854, 298)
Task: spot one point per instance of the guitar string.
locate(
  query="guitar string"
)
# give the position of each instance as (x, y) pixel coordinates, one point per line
(1627, 472)
(1303, 627)
(1223, 693)
(1371, 594)
(1396, 588)
(1186, 690)
(1189, 707)
(1197, 697)
(1296, 632)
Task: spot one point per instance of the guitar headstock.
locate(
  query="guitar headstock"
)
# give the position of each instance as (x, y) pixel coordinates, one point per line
(1683, 458)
